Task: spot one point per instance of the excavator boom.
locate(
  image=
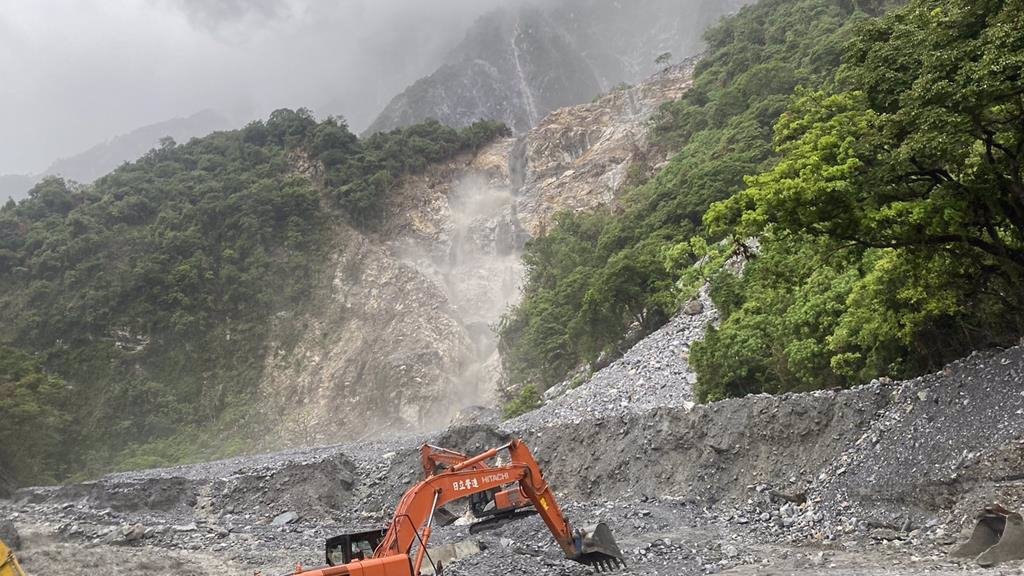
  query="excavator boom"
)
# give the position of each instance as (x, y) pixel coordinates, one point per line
(410, 528)
(436, 459)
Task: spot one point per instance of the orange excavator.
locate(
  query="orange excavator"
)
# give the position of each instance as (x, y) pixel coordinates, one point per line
(401, 549)
(494, 507)
(8, 563)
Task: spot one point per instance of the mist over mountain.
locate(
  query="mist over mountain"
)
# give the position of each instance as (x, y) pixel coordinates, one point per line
(15, 186)
(104, 157)
(518, 63)
(752, 295)
(80, 72)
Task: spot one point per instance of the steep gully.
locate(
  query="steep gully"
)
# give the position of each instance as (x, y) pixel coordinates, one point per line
(401, 335)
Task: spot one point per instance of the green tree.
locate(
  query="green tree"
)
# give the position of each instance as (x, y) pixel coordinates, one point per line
(596, 278)
(153, 291)
(32, 419)
(908, 171)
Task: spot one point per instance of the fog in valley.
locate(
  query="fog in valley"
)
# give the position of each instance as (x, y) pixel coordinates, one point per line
(76, 73)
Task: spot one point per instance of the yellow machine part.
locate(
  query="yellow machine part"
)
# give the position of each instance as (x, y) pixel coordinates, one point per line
(8, 563)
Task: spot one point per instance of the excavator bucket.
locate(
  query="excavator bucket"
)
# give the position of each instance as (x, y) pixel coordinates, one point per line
(1010, 545)
(987, 531)
(599, 549)
(998, 537)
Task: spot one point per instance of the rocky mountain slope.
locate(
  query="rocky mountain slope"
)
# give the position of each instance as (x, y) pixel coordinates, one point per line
(401, 337)
(521, 62)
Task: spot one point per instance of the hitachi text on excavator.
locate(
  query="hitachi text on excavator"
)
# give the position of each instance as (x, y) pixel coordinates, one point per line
(493, 508)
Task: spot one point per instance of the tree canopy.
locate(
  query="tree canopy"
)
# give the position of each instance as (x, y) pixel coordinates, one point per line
(899, 187)
(596, 281)
(865, 156)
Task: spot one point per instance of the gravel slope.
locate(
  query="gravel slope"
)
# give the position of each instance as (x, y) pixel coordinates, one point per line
(655, 373)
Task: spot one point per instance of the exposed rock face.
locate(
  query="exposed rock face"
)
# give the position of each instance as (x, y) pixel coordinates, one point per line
(462, 234)
(513, 66)
(380, 349)
(578, 158)
(517, 64)
(402, 335)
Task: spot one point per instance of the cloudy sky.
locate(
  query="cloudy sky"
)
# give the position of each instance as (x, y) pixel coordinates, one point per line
(77, 72)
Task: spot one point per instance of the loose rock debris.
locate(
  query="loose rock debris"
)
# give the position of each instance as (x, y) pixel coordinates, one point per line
(881, 479)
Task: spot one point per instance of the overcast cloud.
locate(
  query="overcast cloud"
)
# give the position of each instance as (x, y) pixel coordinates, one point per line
(77, 72)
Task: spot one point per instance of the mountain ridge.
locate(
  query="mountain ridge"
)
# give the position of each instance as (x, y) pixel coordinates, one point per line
(516, 65)
(100, 159)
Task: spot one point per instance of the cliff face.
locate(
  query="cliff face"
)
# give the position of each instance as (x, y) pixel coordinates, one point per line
(513, 66)
(518, 64)
(401, 336)
(578, 157)
(378, 348)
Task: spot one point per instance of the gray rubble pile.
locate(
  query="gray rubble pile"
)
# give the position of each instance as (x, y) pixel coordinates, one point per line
(655, 373)
(877, 479)
(310, 481)
(938, 449)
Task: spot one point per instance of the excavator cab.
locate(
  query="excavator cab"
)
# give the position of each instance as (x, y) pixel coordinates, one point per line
(494, 508)
(495, 502)
(353, 546)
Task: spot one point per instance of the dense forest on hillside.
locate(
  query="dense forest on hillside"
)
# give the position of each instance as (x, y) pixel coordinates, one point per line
(877, 160)
(136, 309)
(595, 275)
(892, 227)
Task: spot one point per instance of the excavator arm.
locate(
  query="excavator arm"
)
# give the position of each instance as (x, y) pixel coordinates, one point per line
(436, 459)
(411, 525)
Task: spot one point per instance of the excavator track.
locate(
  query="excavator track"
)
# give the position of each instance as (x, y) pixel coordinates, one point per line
(498, 521)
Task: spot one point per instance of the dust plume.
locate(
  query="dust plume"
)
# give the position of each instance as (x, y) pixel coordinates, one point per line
(479, 268)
